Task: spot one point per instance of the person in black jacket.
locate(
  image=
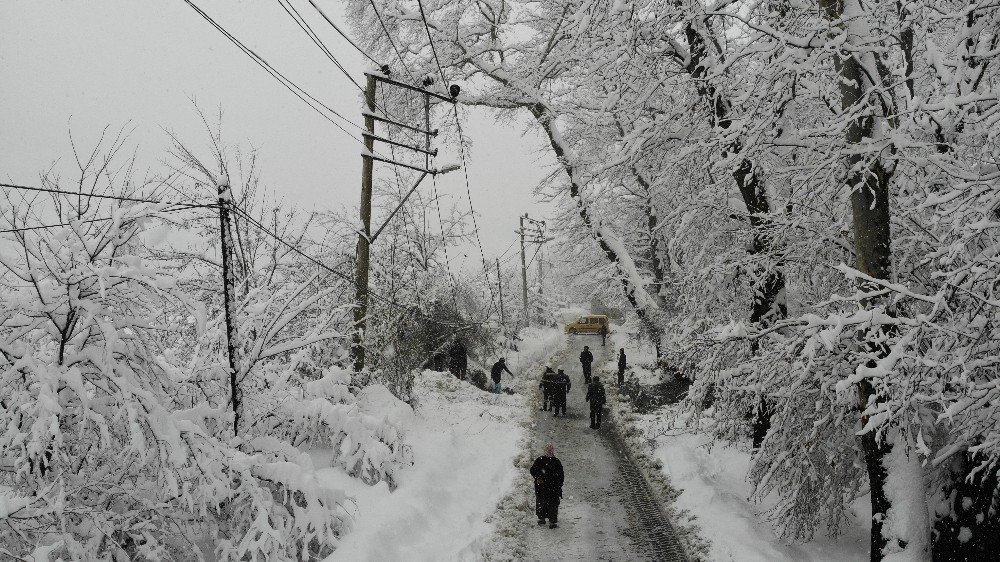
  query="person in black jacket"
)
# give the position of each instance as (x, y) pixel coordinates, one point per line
(604, 334)
(560, 388)
(597, 397)
(548, 474)
(498, 368)
(586, 360)
(458, 361)
(548, 380)
(621, 366)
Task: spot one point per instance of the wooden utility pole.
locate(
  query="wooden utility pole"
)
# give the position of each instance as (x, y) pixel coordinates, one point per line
(229, 301)
(524, 275)
(364, 236)
(541, 240)
(500, 291)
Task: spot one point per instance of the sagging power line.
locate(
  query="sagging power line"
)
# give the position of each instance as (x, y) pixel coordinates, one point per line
(291, 86)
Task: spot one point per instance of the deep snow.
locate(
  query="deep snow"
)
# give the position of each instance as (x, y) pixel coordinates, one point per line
(463, 442)
(713, 485)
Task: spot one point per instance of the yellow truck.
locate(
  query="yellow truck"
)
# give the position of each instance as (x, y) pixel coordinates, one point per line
(590, 324)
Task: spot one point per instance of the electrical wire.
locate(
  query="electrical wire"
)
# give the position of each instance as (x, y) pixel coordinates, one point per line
(304, 25)
(183, 207)
(344, 35)
(300, 20)
(334, 272)
(94, 195)
(430, 40)
(388, 36)
(297, 90)
(472, 210)
(444, 244)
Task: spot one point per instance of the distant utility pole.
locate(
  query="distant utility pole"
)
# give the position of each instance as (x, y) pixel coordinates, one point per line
(537, 229)
(503, 316)
(524, 274)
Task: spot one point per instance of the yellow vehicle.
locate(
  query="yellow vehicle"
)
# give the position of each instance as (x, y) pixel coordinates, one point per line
(590, 324)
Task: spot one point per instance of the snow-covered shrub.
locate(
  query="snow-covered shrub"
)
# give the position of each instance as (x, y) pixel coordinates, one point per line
(364, 427)
(99, 458)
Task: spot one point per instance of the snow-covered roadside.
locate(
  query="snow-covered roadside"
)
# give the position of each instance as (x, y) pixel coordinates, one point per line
(458, 500)
(711, 486)
(463, 442)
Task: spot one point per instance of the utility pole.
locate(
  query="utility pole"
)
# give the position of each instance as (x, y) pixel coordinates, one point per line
(500, 291)
(541, 241)
(228, 300)
(537, 229)
(524, 274)
(364, 236)
(368, 159)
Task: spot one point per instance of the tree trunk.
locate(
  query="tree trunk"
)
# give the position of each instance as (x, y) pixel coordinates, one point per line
(768, 303)
(634, 293)
(868, 181)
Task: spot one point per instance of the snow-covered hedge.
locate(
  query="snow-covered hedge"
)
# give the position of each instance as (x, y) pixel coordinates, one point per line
(115, 440)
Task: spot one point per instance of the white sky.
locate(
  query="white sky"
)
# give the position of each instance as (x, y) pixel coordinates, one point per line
(91, 64)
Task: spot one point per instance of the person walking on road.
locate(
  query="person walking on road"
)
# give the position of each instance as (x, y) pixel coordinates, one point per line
(498, 368)
(548, 474)
(560, 388)
(548, 390)
(586, 360)
(604, 334)
(621, 366)
(597, 397)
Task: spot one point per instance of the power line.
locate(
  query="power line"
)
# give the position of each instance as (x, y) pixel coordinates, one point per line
(182, 207)
(304, 25)
(444, 244)
(311, 33)
(472, 210)
(95, 195)
(334, 272)
(388, 36)
(344, 35)
(281, 78)
(430, 40)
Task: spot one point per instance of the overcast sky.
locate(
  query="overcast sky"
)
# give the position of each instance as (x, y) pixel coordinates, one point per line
(89, 64)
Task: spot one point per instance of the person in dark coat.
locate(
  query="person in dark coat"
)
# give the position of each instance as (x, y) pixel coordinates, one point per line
(604, 334)
(586, 360)
(597, 397)
(548, 380)
(548, 474)
(560, 388)
(498, 368)
(621, 366)
(458, 361)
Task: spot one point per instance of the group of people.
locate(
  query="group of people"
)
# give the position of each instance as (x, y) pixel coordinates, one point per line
(556, 385)
(547, 470)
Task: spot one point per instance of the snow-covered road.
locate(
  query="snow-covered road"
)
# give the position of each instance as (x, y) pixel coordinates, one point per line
(607, 511)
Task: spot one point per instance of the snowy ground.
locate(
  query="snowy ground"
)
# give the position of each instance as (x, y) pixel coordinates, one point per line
(714, 488)
(464, 441)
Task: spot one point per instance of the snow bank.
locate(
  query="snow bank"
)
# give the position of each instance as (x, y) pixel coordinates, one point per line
(535, 347)
(463, 442)
(714, 488)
